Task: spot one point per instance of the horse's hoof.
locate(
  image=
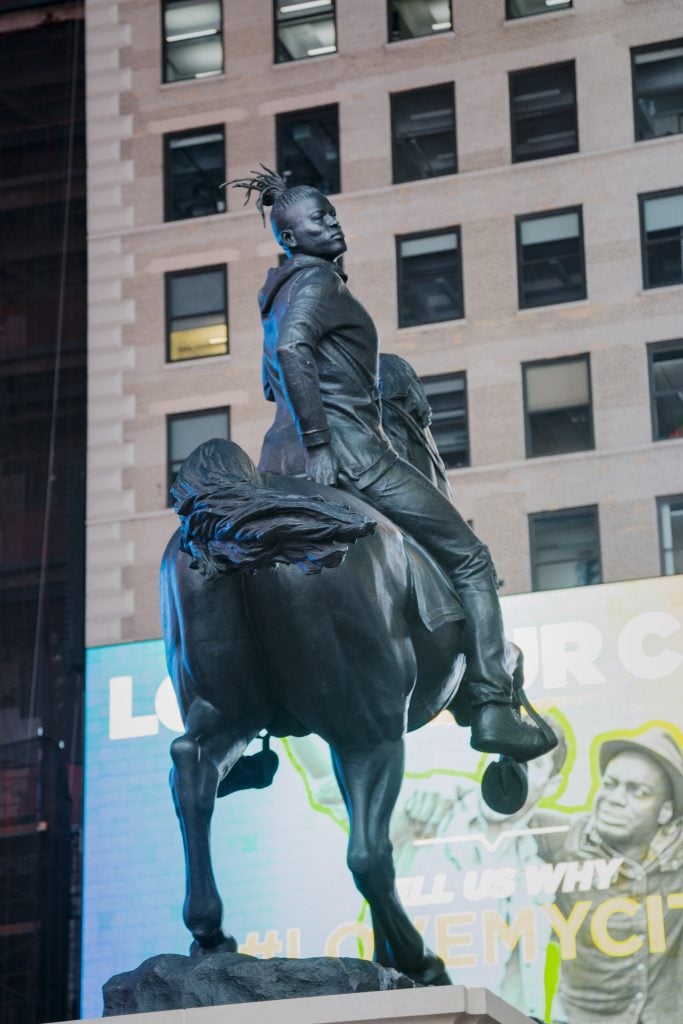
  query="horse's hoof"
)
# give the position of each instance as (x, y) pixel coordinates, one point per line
(505, 786)
(434, 972)
(218, 943)
(252, 771)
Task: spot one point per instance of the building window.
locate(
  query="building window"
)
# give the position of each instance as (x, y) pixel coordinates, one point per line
(543, 112)
(565, 548)
(409, 19)
(308, 148)
(666, 383)
(194, 169)
(550, 260)
(661, 229)
(671, 533)
(304, 29)
(423, 133)
(196, 314)
(193, 40)
(185, 431)
(429, 277)
(447, 395)
(557, 406)
(658, 89)
(525, 8)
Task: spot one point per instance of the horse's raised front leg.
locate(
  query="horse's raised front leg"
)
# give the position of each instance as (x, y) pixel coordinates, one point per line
(207, 749)
(370, 781)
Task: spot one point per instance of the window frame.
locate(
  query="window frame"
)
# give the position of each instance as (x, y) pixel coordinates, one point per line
(442, 32)
(544, 215)
(167, 177)
(665, 499)
(451, 375)
(174, 417)
(652, 349)
(392, 101)
(164, 44)
(533, 516)
(297, 60)
(541, 67)
(536, 14)
(635, 51)
(399, 274)
(579, 357)
(642, 199)
(281, 119)
(193, 271)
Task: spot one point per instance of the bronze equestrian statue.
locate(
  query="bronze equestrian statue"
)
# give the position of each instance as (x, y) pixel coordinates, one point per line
(382, 609)
(320, 368)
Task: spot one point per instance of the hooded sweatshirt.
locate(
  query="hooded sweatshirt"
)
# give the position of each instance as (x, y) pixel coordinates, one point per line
(320, 368)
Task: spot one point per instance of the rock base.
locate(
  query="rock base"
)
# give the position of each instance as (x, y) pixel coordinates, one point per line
(174, 982)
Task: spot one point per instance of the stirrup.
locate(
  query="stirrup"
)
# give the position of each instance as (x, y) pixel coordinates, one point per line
(505, 785)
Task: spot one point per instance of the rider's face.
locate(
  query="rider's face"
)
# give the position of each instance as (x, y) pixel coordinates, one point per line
(311, 227)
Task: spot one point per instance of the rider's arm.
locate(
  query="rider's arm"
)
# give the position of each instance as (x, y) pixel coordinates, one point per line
(268, 392)
(299, 332)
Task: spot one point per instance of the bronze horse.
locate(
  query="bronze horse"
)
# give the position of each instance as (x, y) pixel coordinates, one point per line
(359, 653)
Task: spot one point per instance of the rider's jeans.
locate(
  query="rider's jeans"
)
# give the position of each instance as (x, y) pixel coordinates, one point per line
(408, 499)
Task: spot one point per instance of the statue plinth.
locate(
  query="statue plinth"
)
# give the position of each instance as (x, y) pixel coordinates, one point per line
(454, 1004)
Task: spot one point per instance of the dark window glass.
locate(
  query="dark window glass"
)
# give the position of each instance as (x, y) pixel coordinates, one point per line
(196, 314)
(423, 133)
(429, 278)
(671, 534)
(187, 430)
(543, 112)
(524, 8)
(447, 396)
(550, 258)
(565, 548)
(658, 89)
(194, 171)
(308, 148)
(557, 404)
(304, 29)
(666, 375)
(661, 223)
(193, 40)
(411, 18)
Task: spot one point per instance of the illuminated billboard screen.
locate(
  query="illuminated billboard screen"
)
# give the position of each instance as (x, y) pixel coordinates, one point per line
(571, 909)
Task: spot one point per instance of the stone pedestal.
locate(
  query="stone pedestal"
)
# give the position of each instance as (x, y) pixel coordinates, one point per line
(449, 1005)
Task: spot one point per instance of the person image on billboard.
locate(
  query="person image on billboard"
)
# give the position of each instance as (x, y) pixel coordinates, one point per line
(627, 968)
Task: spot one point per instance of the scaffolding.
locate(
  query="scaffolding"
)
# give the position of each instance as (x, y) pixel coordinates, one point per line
(35, 867)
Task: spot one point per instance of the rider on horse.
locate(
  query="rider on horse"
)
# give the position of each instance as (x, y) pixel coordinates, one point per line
(320, 369)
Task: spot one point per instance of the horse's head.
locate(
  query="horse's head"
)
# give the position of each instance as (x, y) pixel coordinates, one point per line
(398, 383)
(406, 415)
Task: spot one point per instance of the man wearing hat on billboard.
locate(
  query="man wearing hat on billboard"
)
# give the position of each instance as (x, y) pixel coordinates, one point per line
(627, 967)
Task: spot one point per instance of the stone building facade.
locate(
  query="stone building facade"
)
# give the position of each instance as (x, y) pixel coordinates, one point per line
(133, 388)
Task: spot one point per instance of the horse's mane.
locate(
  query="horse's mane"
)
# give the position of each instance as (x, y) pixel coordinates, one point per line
(231, 519)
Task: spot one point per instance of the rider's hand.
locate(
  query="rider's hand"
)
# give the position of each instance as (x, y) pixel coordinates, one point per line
(322, 464)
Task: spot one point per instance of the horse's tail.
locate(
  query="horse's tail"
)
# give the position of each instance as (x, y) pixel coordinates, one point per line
(231, 519)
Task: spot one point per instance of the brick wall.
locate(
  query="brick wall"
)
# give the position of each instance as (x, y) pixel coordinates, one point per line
(133, 389)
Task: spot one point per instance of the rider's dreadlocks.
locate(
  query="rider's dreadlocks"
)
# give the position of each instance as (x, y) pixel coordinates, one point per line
(272, 191)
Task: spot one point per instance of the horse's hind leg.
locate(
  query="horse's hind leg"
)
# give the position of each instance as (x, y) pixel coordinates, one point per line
(206, 749)
(370, 781)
